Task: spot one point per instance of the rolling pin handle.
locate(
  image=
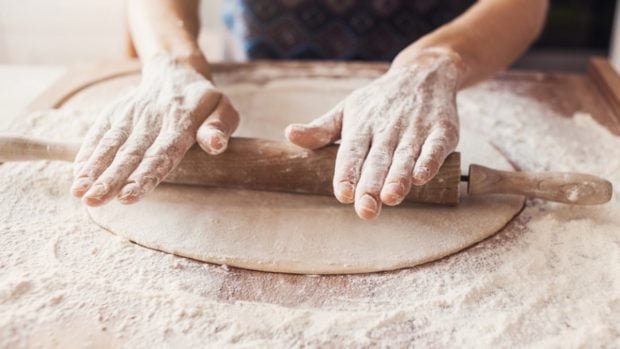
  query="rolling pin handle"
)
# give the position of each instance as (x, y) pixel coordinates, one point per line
(570, 188)
(18, 148)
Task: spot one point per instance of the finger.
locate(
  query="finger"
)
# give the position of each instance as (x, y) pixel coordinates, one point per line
(126, 161)
(159, 160)
(349, 160)
(95, 133)
(89, 144)
(102, 155)
(374, 171)
(214, 133)
(439, 144)
(319, 132)
(398, 181)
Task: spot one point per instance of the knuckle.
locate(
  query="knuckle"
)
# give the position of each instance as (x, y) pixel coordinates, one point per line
(217, 124)
(371, 186)
(378, 158)
(449, 128)
(155, 166)
(437, 150)
(130, 152)
(114, 136)
(170, 145)
(406, 150)
(146, 181)
(432, 163)
(350, 152)
(354, 143)
(345, 174)
(201, 92)
(89, 170)
(140, 106)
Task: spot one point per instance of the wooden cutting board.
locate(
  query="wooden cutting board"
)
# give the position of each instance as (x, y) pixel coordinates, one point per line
(596, 93)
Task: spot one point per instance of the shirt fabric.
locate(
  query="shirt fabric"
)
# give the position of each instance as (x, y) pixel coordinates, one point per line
(367, 30)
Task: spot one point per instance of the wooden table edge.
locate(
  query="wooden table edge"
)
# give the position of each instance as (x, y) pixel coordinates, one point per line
(600, 73)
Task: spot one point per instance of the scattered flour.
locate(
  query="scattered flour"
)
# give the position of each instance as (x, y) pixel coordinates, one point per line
(551, 280)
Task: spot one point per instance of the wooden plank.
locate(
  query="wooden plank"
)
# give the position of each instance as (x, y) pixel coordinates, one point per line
(78, 78)
(601, 75)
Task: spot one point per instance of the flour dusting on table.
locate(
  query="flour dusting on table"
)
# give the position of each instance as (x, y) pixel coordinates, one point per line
(554, 280)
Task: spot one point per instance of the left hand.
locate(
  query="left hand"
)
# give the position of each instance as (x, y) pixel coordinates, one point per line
(394, 132)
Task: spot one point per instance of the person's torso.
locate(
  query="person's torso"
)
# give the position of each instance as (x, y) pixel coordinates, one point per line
(331, 29)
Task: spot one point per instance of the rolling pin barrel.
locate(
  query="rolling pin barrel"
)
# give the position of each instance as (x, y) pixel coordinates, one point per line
(279, 166)
(251, 164)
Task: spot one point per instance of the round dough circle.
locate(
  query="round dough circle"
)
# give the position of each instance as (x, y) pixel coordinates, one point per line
(305, 234)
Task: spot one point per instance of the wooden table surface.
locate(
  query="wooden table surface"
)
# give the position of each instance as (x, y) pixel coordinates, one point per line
(597, 93)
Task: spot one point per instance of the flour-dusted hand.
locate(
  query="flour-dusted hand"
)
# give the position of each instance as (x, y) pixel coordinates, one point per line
(141, 137)
(394, 132)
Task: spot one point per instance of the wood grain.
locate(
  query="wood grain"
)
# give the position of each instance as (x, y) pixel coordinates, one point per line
(79, 78)
(570, 188)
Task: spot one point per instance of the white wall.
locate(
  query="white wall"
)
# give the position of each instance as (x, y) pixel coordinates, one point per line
(69, 31)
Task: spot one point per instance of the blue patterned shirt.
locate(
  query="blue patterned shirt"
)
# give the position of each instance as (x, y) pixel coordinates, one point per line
(332, 29)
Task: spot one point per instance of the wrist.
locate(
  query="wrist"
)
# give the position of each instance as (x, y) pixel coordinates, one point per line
(193, 60)
(447, 57)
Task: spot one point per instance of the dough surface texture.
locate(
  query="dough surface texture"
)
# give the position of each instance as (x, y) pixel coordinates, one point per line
(299, 233)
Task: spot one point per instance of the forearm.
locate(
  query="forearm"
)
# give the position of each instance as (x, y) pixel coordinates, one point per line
(486, 38)
(168, 27)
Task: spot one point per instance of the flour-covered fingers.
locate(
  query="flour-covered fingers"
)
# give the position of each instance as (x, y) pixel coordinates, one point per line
(349, 160)
(125, 162)
(374, 171)
(398, 181)
(439, 144)
(89, 144)
(159, 160)
(103, 154)
(214, 133)
(319, 132)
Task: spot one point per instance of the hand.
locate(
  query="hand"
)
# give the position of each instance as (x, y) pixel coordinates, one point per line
(394, 132)
(141, 137)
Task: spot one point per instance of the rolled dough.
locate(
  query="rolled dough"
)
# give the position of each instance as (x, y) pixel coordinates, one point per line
(305, 234)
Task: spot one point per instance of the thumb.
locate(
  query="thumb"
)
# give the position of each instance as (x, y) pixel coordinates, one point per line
(319, 132)
(214, 133)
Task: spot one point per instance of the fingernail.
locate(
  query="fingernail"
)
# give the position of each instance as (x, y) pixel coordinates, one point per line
(217, 141)
(129, 194)
(295, 127)
(394, 192)
(369, 204)
(421, 173)
(97, 191)
(345, 192)
(296, 130)
(80, 186)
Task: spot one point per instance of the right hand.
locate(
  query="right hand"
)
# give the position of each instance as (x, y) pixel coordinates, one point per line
(142, 136)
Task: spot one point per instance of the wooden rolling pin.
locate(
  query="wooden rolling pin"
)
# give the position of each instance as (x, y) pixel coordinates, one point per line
(279, 166)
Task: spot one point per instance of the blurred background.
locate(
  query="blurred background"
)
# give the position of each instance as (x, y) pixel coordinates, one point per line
(63, 32)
